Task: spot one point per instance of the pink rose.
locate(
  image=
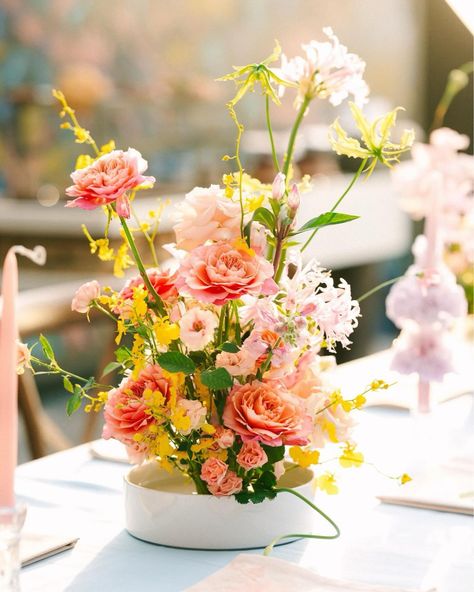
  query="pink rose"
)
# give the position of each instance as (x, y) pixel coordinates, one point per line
(107, 180)
(267, 413)
(206, 214)
(23, 357)
(126, 410)
(229, 485)
(221, 272)
(85, 295)
(197, 328)
(240, 363)
(213, 471)
(224, 438)
(251, 455)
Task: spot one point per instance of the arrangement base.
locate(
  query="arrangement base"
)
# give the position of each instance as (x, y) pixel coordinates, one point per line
(164, 509)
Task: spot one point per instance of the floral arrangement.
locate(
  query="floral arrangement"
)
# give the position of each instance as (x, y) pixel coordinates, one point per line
(222, 355)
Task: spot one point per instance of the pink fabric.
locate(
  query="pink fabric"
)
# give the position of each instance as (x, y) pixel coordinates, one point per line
(256, 573)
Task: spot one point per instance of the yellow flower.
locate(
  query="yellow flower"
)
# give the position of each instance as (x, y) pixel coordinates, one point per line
(350, 457)
(240, 244)
(165, 332)
(405, 479)
(327, 483)
(375, 138)
(304, 458)
(245, 77)
(180, 420)
(83, 161)
(121, 330)
(122, 260)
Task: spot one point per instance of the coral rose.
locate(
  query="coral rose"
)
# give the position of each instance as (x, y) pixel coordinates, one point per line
(107, 180)
(162, 282)
(251, 455)
(84, 296)
(221, 272)
(267, 413)
(125, 412)
(229, 485)
(206, 214)
(213, 471)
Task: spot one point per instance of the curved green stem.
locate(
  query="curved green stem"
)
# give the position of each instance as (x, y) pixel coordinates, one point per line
(141, 267)
(333, 209)
(269, 548)
(377, 288)
(276, 164)
(294, 131)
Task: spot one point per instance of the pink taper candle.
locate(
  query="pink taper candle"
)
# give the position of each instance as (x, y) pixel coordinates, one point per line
(8, 380)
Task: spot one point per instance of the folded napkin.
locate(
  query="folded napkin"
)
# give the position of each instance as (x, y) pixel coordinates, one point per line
(447, 488)
(110, 450)
(37, 546)
(256, 573)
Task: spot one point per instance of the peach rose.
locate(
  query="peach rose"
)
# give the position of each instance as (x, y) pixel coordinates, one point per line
(84, 296)
(206, 214)
(107, 180)
(267, 413)
(23, 357)
(229, 485)
(251, 455)
(240, 363)
(221, 272)
(213, 471)
(125, 412)
(224, 438)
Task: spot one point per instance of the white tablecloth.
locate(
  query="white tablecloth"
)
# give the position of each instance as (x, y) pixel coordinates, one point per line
(380, 544)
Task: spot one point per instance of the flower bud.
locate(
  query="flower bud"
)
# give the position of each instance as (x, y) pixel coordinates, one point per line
(293, 201)
(278, 186)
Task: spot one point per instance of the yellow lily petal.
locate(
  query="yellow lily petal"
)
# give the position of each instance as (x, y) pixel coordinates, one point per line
(361, 123)
(343, 145)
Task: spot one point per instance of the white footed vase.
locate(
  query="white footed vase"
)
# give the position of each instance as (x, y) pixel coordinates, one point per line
(164, 508)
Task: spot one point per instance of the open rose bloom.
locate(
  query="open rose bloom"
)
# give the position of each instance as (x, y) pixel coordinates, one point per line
(223, 365)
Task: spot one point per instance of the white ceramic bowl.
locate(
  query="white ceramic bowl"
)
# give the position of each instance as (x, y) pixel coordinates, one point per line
(163, 508)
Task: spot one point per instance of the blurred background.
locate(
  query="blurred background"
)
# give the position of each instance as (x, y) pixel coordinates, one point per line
(144, 74)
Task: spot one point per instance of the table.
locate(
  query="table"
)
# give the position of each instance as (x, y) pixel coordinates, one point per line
(382, 544)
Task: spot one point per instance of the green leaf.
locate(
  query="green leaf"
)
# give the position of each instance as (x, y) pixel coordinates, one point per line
(198, 357)
(326, 219)
(122, 354)
(68, 385)
(217, 379)
(230, 347)
(111, 366)
(46, 346)
(176, 362)
(267, 480)
(274, 453)
(265, 217)
(74, 402)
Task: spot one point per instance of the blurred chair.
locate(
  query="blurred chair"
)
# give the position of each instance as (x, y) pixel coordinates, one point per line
(44, 310)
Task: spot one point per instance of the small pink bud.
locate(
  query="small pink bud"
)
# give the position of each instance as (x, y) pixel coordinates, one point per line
(278, 186)
(293, 200)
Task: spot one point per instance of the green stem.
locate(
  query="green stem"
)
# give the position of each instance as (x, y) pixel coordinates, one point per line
(141, 267)
(292, 139)
(453, 87)
(96, 305)
(56, 369)
(269, 548)
(332, 210)
(270, 133)
(377, 288)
